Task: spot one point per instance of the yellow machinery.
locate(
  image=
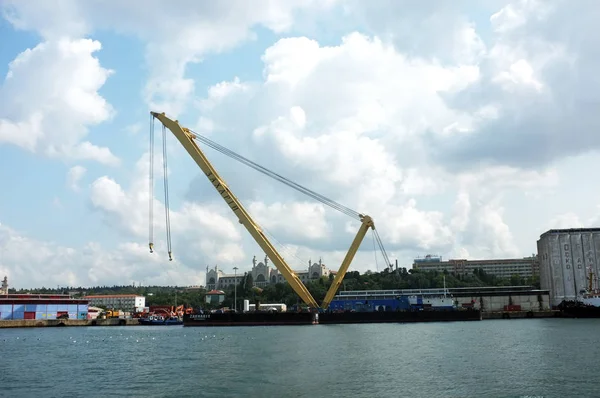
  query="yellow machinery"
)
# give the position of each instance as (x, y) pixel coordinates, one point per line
(187, 138)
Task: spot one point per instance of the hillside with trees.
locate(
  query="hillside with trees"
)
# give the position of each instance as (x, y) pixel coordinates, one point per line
(283, 293)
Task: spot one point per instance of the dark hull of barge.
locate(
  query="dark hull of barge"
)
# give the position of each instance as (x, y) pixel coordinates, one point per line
(326, 318)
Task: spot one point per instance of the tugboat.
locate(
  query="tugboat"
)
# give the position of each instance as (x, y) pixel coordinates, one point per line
(587, 304)
(591, 295)
(159, 320)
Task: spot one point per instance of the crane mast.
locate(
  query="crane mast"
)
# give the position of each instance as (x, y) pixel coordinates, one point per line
(186, 138)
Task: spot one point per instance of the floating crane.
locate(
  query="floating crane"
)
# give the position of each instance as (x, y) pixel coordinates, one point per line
(188, 138)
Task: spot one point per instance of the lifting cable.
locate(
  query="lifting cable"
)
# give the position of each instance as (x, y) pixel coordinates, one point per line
(339, 207)
(278, 177)
(151, 187)
(375, 252)
(383, 252)
(166, 184)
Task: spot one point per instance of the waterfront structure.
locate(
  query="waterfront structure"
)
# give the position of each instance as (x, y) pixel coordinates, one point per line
(566, 258)
(215, 297)
(124, 302)
(42, 306)
(262, 275)
(503, 268)
(488, 298)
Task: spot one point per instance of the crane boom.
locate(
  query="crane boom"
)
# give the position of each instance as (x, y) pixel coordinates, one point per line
(367, 222)
(186, 138)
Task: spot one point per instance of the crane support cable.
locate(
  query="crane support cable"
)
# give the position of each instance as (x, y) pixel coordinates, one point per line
(341, 208)
(151, 188)
(375, 252)
(383, 252)
(166, 184)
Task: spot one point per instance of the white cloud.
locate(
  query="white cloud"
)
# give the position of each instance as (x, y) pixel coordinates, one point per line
(74, 175)
(50, 98)
(204, 231)
(175, 36)
(448, 133)
(32, 263)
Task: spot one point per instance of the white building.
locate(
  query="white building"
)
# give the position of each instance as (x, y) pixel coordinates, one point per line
(262, 274)
(567, 257)
(502, 268)
(124, 302)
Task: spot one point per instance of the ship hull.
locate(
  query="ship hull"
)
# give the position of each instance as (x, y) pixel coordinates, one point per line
(399, 316)
(326, 318)
(578, 310)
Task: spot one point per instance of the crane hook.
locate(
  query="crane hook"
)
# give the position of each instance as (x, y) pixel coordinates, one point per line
(170, 257)
(151, 247)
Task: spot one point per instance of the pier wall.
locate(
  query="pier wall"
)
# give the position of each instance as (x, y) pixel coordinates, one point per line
(491, 303)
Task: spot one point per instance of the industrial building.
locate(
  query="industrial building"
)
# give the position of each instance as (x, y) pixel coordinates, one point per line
(567, 256)
(502, 268)
(124, 302)
(41, 306)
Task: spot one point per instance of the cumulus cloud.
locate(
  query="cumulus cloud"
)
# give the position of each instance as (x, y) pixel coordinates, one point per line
(32, 263)
(174, 36)
(431, 133)
(74, 175)
(50, 99)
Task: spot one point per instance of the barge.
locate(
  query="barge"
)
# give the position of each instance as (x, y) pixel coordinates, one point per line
(259, 318)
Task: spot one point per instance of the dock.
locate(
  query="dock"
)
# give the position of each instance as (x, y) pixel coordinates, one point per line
(520, 314)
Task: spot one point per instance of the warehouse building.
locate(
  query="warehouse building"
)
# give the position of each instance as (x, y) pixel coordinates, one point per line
(567, 256)
(41, 306)
(123, 302)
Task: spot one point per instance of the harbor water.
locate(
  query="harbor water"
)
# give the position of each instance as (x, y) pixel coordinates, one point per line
(495, 358)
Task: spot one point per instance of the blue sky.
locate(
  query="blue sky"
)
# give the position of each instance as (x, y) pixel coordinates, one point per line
(392, 109)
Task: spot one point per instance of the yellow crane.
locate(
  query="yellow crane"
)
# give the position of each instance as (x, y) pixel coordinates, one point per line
(188, 138)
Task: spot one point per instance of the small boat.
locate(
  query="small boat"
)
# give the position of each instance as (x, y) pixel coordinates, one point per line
(159, 320)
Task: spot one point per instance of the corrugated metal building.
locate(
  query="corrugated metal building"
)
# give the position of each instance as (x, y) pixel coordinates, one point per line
(41, 306)
(566, 256)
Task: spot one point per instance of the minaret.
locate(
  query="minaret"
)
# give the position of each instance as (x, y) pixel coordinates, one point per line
(253, 261)
(266, 260)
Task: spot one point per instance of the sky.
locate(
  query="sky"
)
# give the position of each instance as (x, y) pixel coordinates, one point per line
(463, 129)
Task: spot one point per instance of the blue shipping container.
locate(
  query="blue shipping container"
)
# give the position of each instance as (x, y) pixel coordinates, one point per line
(63, 308)
(41, 308)
(18, 315)
(82, 315)
(82, 308)
(30, 307)
(19, 308)
(6, 308)
(40, 315)
(51, 315)
(52, 308)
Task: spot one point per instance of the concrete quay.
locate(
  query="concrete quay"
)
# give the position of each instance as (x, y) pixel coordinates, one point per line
(33, 323)
(520, 314)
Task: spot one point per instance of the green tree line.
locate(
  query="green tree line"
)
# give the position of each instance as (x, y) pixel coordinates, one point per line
(283, 293)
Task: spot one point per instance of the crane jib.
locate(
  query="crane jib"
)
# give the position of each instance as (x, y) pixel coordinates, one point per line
(186, 138)
(223, 191)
